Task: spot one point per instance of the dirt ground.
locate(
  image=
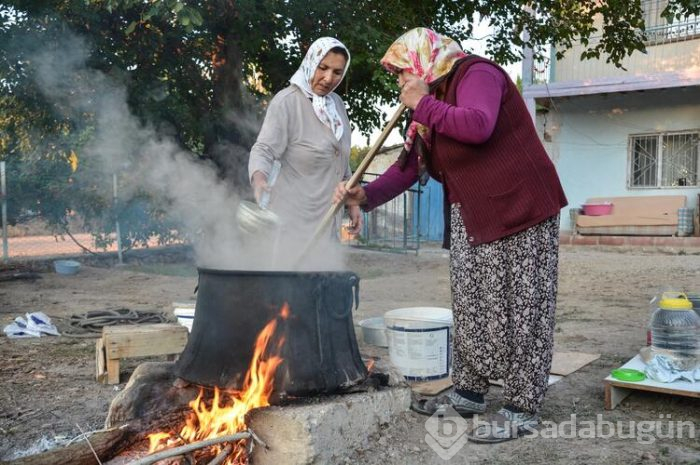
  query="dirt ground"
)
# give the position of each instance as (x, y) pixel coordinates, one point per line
(47, 385)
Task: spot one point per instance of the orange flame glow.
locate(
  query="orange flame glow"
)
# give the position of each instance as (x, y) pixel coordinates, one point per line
(370, 364)
(227, 410)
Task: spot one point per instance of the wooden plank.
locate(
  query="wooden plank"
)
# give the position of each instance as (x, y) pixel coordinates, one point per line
(614, 395)
(661, 390)
(113, 371)
(565, 363)
(133, 329)
(144, 340)
(431, 388)
(100, 361)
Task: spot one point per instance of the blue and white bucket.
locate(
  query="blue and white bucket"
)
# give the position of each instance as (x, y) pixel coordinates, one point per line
(184, 312)
(420, 341)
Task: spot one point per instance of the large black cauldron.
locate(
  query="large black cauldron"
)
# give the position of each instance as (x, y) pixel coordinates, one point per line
(320, 350)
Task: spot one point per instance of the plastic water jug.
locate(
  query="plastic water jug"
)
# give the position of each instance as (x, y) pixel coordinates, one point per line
(694, 297)
(675, 329)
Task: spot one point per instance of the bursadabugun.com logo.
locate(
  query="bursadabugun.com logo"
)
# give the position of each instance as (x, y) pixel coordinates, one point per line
(446, 433)
(447, 430)
(644, 432)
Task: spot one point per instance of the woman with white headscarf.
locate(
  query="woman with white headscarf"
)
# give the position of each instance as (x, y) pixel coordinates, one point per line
(307, 131)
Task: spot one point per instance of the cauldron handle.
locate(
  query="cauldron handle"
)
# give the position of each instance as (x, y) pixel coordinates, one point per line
(355, 283)
(353, 296)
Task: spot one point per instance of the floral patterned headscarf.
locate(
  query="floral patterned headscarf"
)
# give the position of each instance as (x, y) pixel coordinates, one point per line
(426, 54)
(324, 106)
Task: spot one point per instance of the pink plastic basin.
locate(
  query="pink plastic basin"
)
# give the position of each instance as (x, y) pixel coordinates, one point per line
(597, 209)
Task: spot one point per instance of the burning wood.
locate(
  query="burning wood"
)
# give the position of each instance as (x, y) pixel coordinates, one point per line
(210, 424)
(177, 451)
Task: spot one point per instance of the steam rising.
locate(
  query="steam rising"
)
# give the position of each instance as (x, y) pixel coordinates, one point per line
(147, 159)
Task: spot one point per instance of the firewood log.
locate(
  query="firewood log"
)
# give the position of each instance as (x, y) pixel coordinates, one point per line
(106, 443)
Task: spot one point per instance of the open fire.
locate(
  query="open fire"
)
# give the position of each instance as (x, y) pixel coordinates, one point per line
(225, 413)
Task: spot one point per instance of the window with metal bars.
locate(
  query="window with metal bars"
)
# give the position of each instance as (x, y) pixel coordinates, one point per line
(664, 160)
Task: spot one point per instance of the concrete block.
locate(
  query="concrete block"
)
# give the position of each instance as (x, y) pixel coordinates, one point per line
(324, 430)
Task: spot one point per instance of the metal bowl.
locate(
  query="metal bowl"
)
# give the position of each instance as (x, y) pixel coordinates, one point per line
(253, 220)
(67, 267)
(374, 331)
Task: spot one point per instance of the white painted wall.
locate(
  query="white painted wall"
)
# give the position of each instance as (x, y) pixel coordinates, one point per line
(384, 159)
(590, 140)
(681, 56)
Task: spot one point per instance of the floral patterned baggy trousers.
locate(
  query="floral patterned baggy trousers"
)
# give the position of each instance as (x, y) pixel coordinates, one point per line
(503, 298)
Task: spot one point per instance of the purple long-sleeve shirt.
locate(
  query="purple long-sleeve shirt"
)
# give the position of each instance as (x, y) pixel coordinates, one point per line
(471, 121)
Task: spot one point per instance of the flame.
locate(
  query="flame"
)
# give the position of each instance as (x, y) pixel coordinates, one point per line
(156, 438)
(225, 414)
(370, 364)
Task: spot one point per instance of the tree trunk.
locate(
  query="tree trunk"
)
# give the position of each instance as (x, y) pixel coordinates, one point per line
(229, 134)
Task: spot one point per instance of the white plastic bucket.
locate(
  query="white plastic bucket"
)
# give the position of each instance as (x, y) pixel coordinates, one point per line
(184, 314)
(420, 341)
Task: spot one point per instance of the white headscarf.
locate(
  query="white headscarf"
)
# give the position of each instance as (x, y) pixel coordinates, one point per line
(324, 106)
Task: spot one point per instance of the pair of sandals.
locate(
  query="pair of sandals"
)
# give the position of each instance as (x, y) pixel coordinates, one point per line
(490, 429)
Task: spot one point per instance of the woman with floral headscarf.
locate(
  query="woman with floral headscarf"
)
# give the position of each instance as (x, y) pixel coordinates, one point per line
(470, 129)
(306, 132)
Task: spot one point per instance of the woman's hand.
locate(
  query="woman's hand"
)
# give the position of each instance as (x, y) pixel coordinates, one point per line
(412, 90)
(352, 197)
(355, 219)
(259, 183)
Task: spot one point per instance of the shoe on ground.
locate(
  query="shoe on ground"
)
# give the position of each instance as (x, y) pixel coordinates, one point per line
(440, 405)
(502, 426)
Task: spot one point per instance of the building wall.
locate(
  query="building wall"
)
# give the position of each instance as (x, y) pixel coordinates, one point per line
(675, 57)
(590, 137)
(384, 159)
(670, 48)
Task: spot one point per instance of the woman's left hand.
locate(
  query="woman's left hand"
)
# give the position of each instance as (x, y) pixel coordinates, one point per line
(413, 90)
(355, 219)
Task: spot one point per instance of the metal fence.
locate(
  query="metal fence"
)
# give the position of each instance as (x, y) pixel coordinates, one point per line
(27, 233)
(396, 225)
(660, 31)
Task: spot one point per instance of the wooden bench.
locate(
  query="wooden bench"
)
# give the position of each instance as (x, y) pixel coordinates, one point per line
(648, 215)
(124, 341)
(616, 391)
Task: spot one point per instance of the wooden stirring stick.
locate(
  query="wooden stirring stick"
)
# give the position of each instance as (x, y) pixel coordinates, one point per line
(352, 182)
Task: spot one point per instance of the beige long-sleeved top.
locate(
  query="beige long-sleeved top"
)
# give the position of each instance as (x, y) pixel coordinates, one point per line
(313, 161)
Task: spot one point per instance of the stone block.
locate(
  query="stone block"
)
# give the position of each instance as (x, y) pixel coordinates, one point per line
(324, 430)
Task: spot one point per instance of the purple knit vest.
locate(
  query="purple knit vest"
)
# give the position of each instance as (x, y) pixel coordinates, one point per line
(504, 185)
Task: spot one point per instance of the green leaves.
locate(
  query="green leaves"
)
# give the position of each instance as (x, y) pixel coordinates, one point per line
(130, 28)
(186, 42)
(184, 63)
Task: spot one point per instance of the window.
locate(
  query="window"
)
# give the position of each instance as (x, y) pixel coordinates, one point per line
(664, 160)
